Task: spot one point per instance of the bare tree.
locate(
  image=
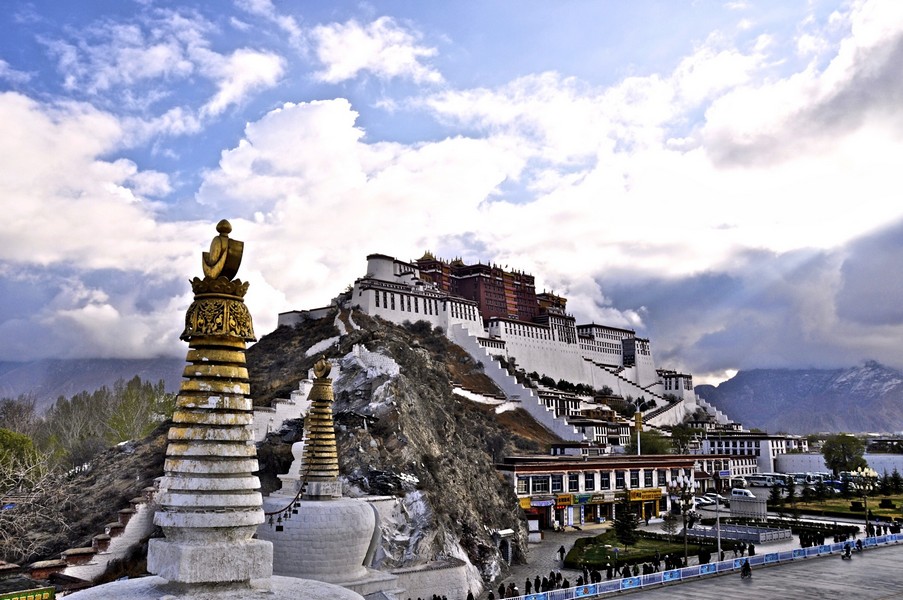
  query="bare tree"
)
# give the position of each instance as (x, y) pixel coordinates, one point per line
(669, 524)
(32, 499)
(20, 415)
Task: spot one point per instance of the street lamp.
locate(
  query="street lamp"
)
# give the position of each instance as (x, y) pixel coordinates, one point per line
(718, 488)
(866, 478)
(682, 490)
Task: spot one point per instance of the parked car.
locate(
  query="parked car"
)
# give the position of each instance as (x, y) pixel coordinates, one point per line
(716, 497)
(703, 501)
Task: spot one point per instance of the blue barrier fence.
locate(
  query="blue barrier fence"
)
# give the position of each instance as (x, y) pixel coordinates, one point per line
(598, 590)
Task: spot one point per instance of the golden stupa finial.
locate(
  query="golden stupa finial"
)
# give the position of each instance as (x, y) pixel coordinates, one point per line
(321, 458)
(218, 308)
(322, 368)
(224, 257)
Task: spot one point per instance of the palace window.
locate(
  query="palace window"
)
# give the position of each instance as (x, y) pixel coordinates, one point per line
(377, 298)
(557, 483)
(634, 478)
(605, 480)
(619, 480)
(522, 485)
(540, 484)
(589, 481)
(573, 482)
(647, 478)
(392, 298)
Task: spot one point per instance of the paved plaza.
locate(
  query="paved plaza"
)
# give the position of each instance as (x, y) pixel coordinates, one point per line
(873, 574)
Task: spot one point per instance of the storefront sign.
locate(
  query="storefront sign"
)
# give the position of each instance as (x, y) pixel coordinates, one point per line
(643, 495)
(583, 498)
(45, 593)
(564, 500)
(541, 502)
(602, 498)
(525, 503)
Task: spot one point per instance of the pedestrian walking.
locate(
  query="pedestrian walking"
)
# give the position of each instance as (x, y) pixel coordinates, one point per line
(561, 553)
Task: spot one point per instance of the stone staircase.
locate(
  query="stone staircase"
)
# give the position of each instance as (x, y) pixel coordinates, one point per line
(133, 525)
(719, 416)
(517, 395)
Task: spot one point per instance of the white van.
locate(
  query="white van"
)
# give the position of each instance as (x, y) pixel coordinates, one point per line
(737, 493)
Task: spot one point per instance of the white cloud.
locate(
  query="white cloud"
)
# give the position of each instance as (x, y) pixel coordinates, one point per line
(115, 54)
(133, 66)
(323, 199)
(265, 9)
(381, 47)
(238, 75)
(65, 204)
(12, 75)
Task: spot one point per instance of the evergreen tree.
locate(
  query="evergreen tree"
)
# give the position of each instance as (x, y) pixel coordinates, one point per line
(651, 442)
(776, 499)
(896, 481)
(843, 452)
(790, 493)
(884, 485)
(625, 524)
(821, 490)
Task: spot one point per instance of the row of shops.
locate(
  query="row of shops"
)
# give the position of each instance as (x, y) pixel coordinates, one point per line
(579, 509)
(573, 490)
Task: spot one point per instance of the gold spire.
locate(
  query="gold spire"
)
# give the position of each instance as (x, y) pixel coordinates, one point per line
(321, 461)
(209, 505)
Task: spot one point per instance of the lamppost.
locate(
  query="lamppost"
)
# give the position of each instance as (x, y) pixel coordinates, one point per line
(718, 488)
(866, 477)
(682, 490)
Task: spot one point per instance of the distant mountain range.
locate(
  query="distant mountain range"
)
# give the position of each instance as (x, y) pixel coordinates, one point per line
(867, 398)
(859, 399)
(51, 378)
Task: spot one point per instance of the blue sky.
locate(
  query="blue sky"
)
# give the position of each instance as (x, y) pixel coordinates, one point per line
(721, 176)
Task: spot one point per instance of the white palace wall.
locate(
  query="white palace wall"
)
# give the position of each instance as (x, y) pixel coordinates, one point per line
(398, 303)
(588, 354)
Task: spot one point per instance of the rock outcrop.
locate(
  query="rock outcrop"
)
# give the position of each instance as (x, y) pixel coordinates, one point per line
(402, 431)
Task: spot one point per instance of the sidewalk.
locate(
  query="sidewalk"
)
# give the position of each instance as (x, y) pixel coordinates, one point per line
(543, 557)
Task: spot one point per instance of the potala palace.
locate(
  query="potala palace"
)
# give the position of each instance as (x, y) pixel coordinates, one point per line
(492, 312)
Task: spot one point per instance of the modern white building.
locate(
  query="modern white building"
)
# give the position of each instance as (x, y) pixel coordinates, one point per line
(763, 446)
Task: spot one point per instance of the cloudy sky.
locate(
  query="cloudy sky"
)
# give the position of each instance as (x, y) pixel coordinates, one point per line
(723, 177)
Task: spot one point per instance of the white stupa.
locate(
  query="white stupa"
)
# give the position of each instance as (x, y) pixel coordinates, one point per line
(318, 534)
(210, 506)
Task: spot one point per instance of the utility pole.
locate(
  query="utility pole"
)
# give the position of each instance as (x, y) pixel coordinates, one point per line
(638, 425)
(683, 489)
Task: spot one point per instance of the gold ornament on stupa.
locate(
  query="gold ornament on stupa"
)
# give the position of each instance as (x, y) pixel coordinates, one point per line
(209, 501)
(321, 459)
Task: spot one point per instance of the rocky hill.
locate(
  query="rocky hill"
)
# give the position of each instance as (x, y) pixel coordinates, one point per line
(867, 398)
(400, 429)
